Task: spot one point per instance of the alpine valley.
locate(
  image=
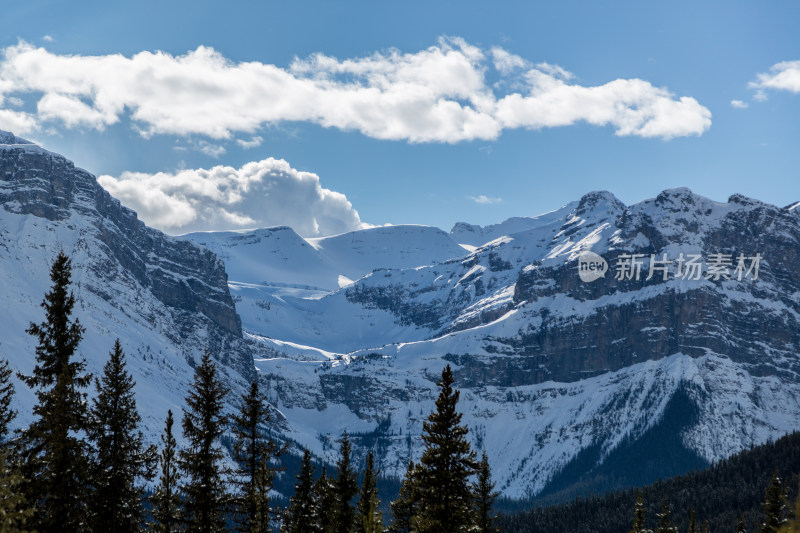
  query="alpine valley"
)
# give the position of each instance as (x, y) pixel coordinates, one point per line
(571, 387)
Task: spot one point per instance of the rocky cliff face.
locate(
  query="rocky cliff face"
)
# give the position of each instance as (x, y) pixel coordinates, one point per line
(167, 299)
(559, 374)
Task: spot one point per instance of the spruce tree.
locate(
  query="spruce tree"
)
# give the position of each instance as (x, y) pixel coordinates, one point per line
(692, 522)
(324, 502)
(7, 414)
(368, 502)
(405, 506)
(704, 526)
(665, 520)
(774, 506)
(484, 498)
(300, 517)
(638, 515)
(445, 493)
(252, 453)
(14, 512)
(52, 450)
(204, 491)
(345, 489)
(121, 457)
(166, 500)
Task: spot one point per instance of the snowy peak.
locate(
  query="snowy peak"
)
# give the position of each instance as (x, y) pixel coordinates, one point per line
(8, 138)
(474, 235)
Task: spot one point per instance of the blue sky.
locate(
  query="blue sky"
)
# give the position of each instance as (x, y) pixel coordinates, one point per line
(413, 112)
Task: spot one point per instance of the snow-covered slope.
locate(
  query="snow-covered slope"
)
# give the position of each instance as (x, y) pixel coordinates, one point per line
(166, 299)
(552, 368)
(472, 235)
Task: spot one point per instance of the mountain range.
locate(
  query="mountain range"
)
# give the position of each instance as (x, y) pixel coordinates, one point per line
(570, 386)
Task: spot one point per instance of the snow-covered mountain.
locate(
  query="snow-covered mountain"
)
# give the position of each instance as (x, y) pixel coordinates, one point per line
(559, 377)
(165, 298)
(564, 382)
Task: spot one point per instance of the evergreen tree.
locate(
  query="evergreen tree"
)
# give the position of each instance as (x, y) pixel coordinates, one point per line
(485, 497)
(300, 515)
(405, 506)
(167, 500)
(664, 519)
(774, 506)
(638, 515)
(325, 501)
(14, 512)
(368, 501)
(692, 522)
(121, 457)
(345, 489)
(445, 495)
(704, 527)
(7, 414)
(253, 453)
(53, 453)
(204, 491)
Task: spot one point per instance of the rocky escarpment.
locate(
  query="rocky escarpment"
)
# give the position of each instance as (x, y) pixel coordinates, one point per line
(189, 281)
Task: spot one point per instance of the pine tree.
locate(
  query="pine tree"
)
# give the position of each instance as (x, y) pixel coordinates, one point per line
(121, 458)
(692, 522)
(325, 501)
(368, 501)
(664, 519)
(638, 515)
(405, 506)
(447, 463)
(485, 497)
(166, 500)
(253, 453)
(345, 489)
(300, 515)
(774, 506)
(14, 512)
(52, 451)
(205, 496)
(704, 526)
(7, 414)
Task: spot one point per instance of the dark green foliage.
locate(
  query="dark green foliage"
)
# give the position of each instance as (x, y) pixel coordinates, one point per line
(692, 522)
(252, 453)
(368, 514)
(324, 500)
(166, 500)
(204, 491)
(638, 515)
(52, 451)
(740, 528)
(720, 494)
(345, 489)
(405, 506)
(484, 498)
(14, 512)
(774, 506)
(665, 519)
(301, 515)
(7, 414)
(448, 462)
(121, 458)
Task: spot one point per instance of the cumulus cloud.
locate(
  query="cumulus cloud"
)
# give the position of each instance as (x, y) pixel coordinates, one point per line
(259, 194)
(483, 199)
(439, 94)
(738, 104)
(783, 76)
(252, 143)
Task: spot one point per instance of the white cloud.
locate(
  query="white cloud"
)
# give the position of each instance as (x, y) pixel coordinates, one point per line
(738, 104)
(439, 94)
(483, 199)
(259, 194)
(252, 143)
(783, 76)
(48, 38)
